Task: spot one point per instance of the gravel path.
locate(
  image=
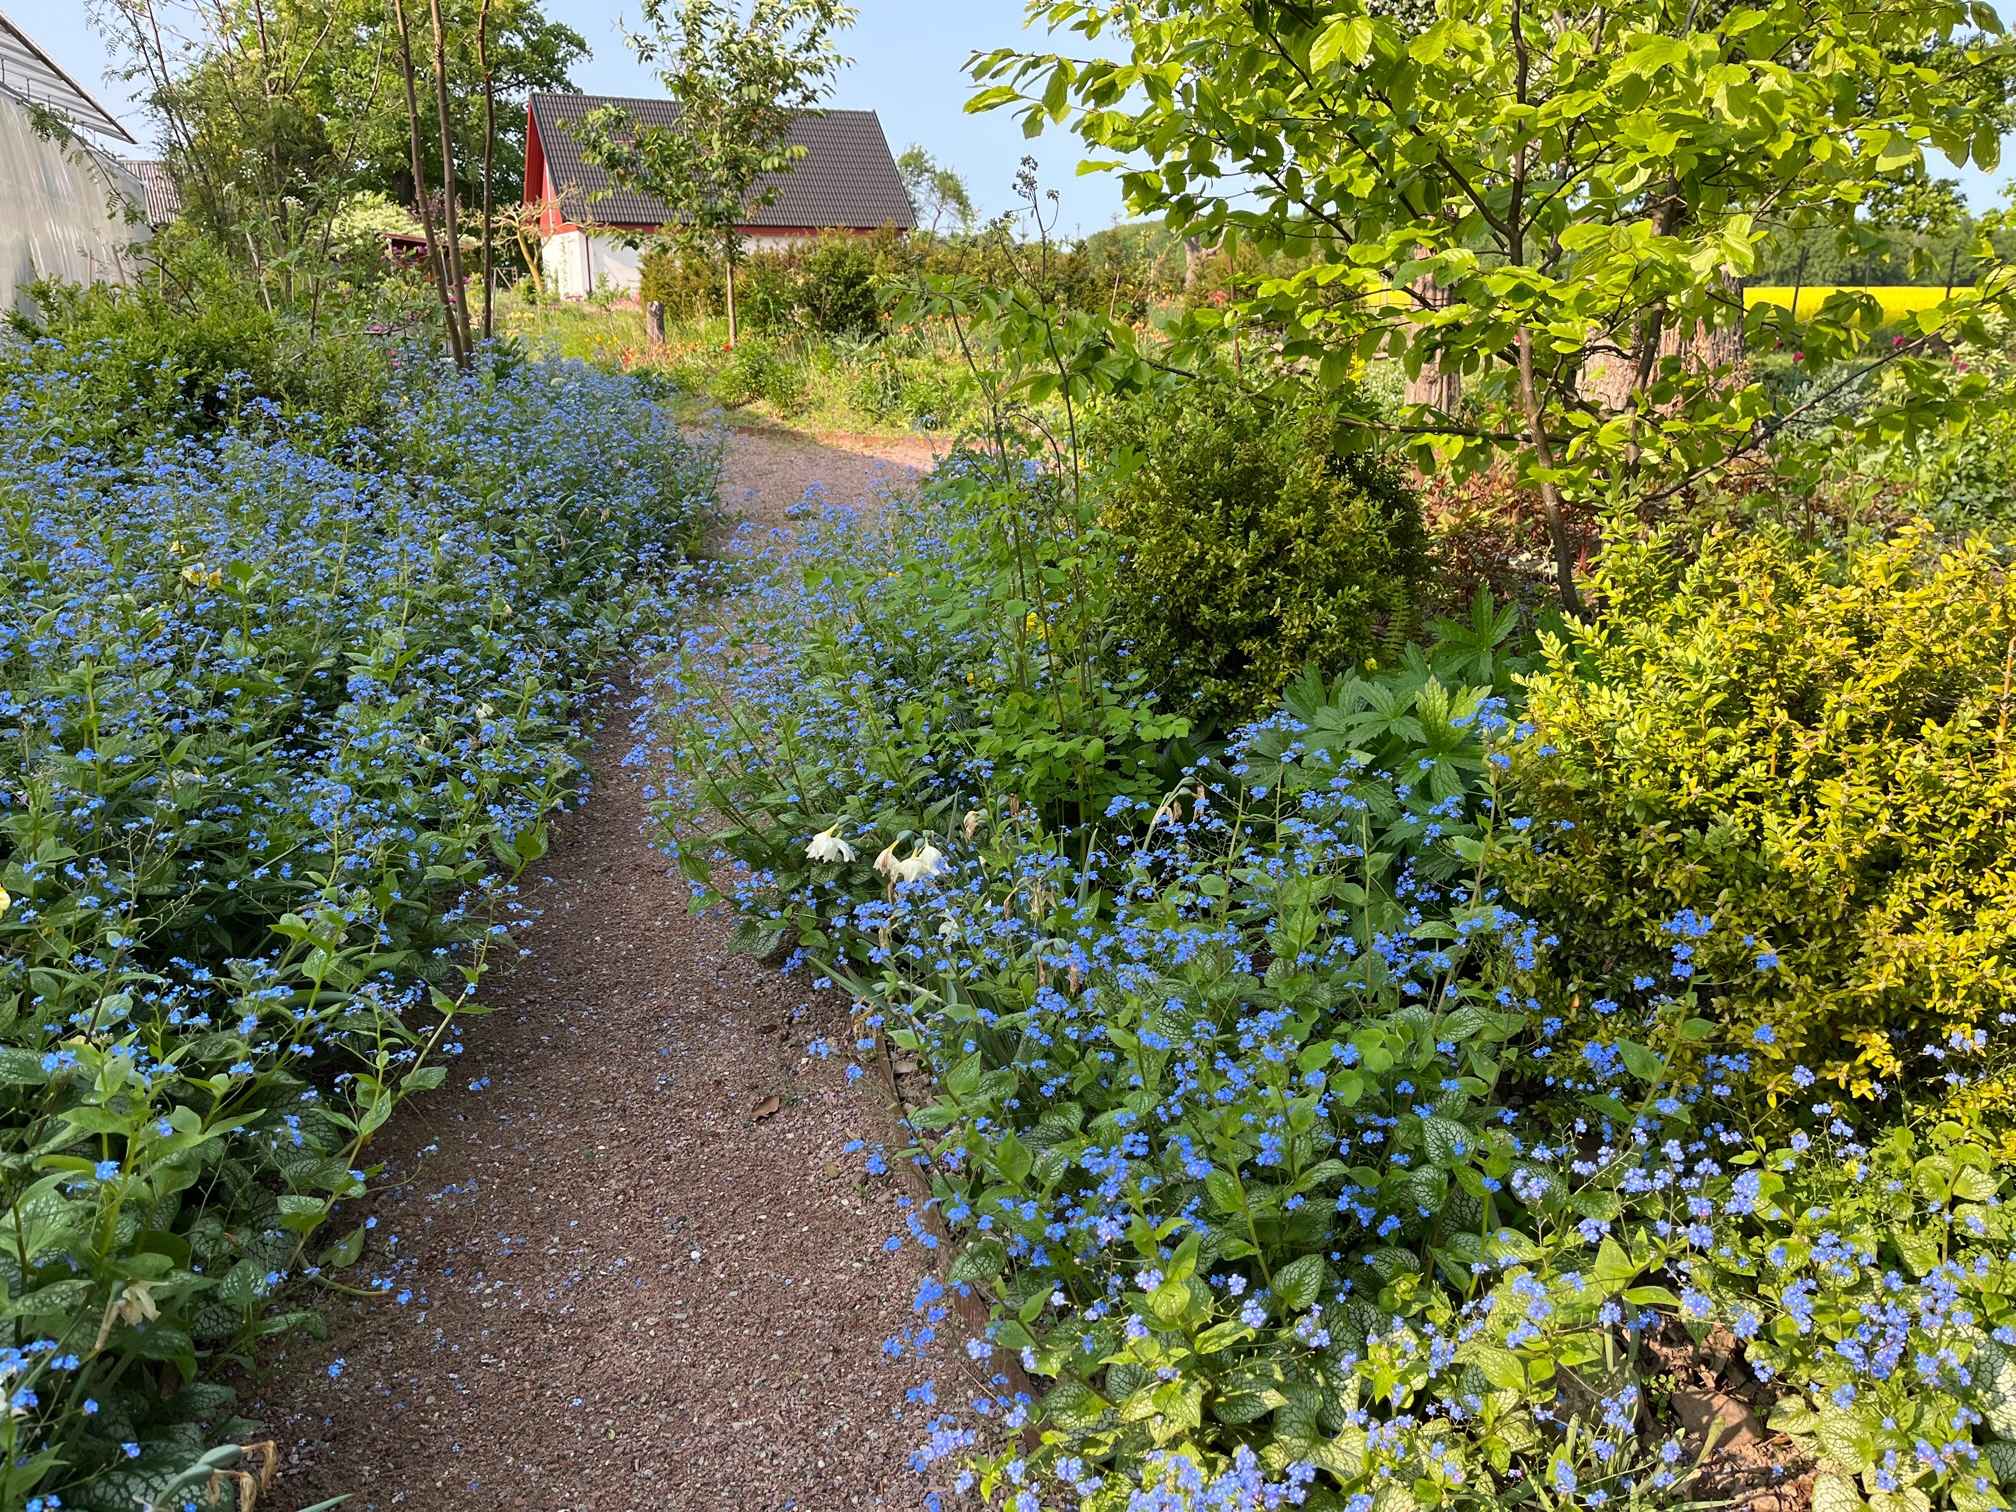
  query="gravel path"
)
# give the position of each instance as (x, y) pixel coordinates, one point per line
(643, 1271)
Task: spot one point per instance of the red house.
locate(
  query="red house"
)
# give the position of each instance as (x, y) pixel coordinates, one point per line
(589, 229)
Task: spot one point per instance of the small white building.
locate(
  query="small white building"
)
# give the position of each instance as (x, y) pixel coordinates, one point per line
(592, 234)
(68, 209)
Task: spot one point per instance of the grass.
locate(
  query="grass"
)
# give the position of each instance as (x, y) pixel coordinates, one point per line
(902, 384)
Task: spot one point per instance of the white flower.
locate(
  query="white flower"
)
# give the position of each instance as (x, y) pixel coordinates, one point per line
(136, 1303)
(828, 846)
(974, 819)
(887, 864)
(927, 862)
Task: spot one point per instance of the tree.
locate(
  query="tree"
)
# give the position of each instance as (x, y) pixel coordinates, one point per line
(739, 86)
(935, 190)
(440, 262)
(270, 102)
(1524, 195)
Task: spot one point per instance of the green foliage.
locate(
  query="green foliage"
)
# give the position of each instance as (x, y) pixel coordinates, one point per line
(286, 108)
(740, 82)
(1578, 186)
(1231, 1115)
(765, 369)
(1963, 476)
(824, 288)
(1253, 542)
(937, 193)
(184, 363)
(1811, 749)
(836, 288)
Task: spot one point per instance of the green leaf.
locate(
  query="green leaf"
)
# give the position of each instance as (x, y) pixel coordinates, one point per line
(1843, 1440)
(1445, 1141)
(1073, 1404)
(344, 1253)
(1012, 1159)
(1348, 37)
(1646, 1065)
(1501, 1367)
(1831, 1493)
(981, 1260)
(1170, 1301)
(1300, 1282)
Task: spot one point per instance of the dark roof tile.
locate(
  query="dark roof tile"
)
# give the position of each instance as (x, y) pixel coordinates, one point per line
(846, 178)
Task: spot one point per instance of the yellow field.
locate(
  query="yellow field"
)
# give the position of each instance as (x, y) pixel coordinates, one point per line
(1897, 300)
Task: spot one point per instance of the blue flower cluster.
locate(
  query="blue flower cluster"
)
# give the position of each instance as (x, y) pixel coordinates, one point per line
(1287, 1183)
(285, 713)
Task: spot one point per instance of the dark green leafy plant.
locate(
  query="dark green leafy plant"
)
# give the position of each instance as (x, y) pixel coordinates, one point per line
(1252, 543)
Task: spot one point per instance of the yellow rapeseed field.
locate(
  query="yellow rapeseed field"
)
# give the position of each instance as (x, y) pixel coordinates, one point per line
(1897, 300)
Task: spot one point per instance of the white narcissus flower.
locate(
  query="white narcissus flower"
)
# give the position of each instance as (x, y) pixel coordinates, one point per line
(926, 862)
(887, 864)
(974, 819)
(136, 1303)
(828, 846)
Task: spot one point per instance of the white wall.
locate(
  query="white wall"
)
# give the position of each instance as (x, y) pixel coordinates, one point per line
(58, 215)
(576, 263)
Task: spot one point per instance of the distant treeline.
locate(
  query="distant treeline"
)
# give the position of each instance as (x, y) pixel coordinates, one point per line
(1878, 255)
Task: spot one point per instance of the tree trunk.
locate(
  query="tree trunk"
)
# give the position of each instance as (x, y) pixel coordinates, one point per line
(1550, 494)
(654, 322)
(1440, 388)
(420, 196)
(1193, 262)
(729, 261)
(452, 240)
(489, 160)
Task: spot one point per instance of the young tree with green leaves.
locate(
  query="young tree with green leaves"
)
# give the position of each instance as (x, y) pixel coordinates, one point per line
(1580, 183)
(277, 112)
(739, 86)
(935, 190)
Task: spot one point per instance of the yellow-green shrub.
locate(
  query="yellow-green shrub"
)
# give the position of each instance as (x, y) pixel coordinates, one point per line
(1253, 545)
(1812, 748)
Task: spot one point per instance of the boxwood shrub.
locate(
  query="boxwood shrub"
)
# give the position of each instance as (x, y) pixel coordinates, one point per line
(1253, 543)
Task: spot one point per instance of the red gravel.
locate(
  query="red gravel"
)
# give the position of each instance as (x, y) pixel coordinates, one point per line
(632, 1286)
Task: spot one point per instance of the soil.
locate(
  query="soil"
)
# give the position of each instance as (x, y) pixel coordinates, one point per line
(643, 1272)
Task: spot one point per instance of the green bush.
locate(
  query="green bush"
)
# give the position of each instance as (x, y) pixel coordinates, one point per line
(1254, 545)
(761, 368)
(836, 288)
(168, 366)
(1811, 749)
(689, 287)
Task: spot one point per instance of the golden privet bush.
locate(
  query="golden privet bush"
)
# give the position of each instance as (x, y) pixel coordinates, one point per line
(1812, 748)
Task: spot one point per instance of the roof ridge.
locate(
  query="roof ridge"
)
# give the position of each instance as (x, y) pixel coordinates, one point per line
(583, 94)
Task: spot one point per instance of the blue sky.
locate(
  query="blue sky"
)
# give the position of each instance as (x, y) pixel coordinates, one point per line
(910, 58)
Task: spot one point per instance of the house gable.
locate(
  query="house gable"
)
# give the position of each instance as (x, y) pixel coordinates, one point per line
(847, 178)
